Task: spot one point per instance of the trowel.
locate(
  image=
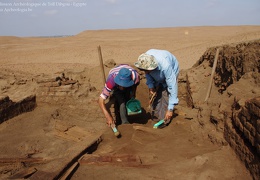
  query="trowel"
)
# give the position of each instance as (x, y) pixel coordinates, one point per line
(160, 124)
(116, 132)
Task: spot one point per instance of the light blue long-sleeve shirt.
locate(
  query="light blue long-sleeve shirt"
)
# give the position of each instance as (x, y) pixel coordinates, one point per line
(166, 74)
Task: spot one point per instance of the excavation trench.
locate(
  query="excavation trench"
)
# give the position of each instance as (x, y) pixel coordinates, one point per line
(197, 143)
(229, 117)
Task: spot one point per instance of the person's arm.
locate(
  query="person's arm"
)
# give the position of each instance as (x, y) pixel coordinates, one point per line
(108, 117)
(103, 96)
(134, 87)
(133, 91)
(150, 83)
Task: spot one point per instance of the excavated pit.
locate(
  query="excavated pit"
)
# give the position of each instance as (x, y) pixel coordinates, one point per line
(229, 116)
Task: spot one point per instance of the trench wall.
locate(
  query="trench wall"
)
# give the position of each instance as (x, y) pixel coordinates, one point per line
(10, 109)
(242, 132)
(235, 96)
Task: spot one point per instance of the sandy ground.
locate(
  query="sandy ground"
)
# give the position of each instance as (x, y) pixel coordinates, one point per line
(177, 152)
(41, 55)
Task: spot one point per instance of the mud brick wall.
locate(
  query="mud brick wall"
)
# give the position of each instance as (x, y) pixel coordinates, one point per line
(10, 109)
(234, 61)
(243, 134)
(234, 99)
(51, 89)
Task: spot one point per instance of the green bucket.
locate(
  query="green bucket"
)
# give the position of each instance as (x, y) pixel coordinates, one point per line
(133, 106)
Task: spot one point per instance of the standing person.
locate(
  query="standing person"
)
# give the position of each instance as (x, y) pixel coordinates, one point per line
(161, 70)
(122, 81)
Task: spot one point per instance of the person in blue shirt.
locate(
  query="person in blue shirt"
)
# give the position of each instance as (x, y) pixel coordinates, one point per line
(161, 71)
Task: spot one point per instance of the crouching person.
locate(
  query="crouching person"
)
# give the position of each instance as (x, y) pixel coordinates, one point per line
(161, 70)
(122, 82)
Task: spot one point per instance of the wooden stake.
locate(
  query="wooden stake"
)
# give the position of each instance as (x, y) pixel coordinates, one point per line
(101, 64)
(212, 75)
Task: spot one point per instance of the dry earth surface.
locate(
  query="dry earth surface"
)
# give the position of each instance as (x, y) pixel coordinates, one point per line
(66, 125)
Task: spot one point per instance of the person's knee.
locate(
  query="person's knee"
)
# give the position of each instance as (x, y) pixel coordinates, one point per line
(122, 106)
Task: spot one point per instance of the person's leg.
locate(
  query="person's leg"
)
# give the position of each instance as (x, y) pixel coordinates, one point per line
(120, 98)
(161, 103)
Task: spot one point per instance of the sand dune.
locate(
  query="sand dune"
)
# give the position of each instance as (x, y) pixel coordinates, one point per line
(53, 54)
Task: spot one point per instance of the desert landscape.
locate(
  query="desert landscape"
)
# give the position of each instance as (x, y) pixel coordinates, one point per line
(52, 127)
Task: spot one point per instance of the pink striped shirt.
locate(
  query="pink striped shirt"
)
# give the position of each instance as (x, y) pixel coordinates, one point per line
(110, 83)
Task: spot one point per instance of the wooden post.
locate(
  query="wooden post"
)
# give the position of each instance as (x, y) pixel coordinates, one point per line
(101, 64)
(212, 75)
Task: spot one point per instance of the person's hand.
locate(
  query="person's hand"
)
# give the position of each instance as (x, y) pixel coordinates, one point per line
(110, 121)
(168, 116)
(152, 91)
(108, 117)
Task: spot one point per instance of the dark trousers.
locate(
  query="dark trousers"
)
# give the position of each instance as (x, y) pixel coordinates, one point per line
(121, 98)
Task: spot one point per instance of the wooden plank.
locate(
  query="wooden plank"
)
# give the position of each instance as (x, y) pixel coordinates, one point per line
(128, 160)
(24, 173)
(21, 160)
(70, 170)
(42, 175)
(70, 166)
